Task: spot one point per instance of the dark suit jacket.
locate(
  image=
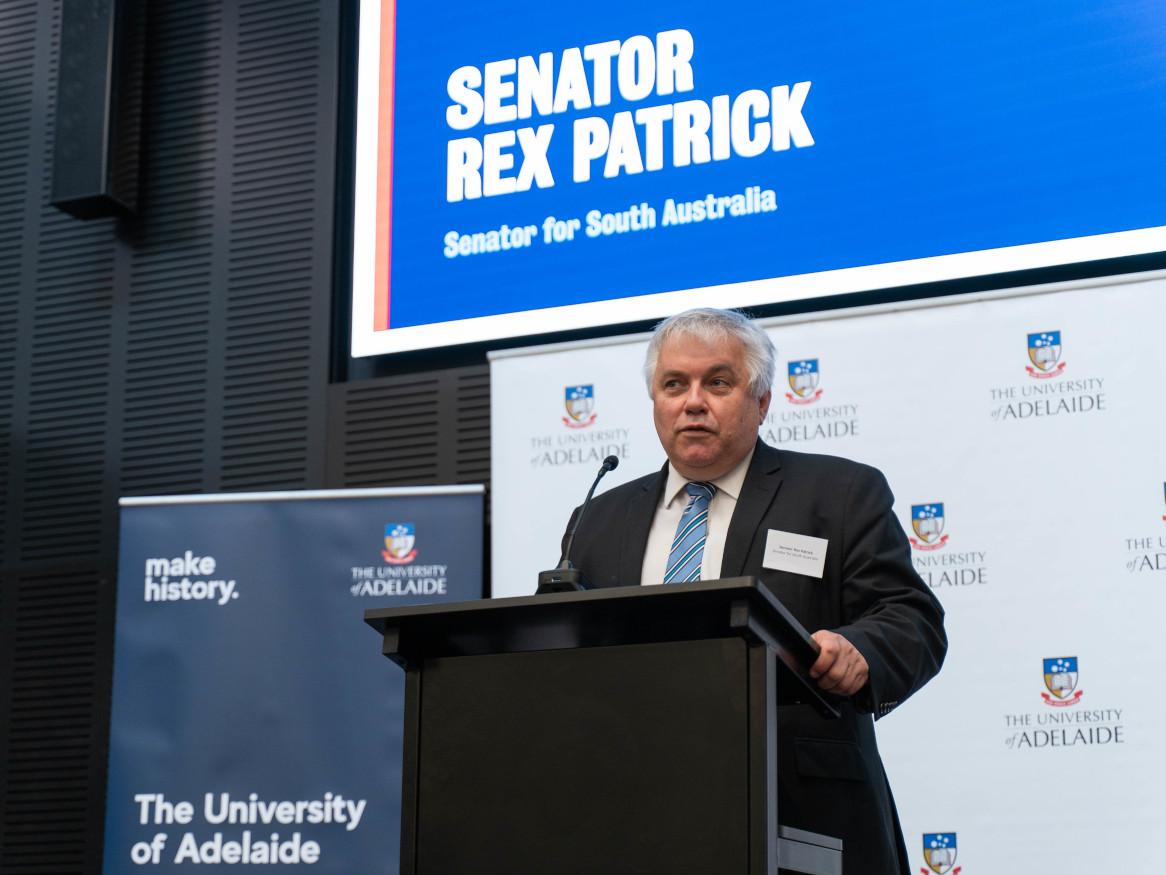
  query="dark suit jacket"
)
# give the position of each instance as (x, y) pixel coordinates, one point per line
(831, 777)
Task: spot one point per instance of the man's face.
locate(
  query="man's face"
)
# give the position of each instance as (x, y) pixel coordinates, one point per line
(705, 415)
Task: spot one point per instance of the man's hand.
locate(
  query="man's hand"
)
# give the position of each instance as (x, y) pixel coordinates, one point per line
(840, 668)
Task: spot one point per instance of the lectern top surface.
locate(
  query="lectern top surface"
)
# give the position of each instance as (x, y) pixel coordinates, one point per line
(737, 607)
(719, 590)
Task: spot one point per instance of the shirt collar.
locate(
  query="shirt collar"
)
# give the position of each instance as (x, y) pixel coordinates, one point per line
(729, 483)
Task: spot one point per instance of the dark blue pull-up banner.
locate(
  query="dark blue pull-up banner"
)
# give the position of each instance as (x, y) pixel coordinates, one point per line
(254, 718)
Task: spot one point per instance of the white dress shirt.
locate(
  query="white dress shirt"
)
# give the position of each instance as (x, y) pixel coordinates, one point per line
(671, 508)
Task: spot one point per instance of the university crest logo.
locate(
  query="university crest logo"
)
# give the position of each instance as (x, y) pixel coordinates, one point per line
(580, 404)
(927, 522)
(1061, 680)
(400, 542)
(939, 849)
(803, 379)
(1044, 351)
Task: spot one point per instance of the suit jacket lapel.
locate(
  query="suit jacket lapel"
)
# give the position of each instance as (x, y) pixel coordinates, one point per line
(762, 482)
(637, 523)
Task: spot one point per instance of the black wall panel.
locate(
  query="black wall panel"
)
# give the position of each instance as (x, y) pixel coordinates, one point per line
(55, 722)
(168, 381)
(186, 350)
(281, 136)
(430, 428)
(18, 29)
(18, 73)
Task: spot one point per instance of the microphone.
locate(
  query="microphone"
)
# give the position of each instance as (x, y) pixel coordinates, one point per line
(566, 577)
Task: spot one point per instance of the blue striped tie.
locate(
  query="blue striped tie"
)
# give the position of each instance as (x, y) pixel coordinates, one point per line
(688, 546)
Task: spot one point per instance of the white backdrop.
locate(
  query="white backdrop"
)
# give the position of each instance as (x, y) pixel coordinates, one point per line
(1053, 542)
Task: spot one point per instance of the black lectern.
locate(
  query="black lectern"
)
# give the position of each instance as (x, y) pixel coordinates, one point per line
(625, 730)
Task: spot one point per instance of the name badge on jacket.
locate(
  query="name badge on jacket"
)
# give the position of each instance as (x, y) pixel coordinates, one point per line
(798, 554)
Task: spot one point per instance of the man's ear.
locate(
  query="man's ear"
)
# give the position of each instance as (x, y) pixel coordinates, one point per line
(763, 401)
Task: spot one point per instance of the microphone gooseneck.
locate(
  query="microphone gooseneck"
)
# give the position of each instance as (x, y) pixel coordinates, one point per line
(609, 464)
(565, 577)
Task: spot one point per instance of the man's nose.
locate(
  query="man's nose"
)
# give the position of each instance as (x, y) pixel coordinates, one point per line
(694, 400)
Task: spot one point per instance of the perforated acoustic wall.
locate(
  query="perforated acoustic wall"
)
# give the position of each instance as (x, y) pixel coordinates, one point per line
(185, 351)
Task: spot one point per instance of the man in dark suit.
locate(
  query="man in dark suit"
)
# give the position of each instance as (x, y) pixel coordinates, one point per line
(712, 510)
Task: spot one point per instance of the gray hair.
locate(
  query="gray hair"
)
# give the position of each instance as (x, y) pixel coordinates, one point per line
(712, 326)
